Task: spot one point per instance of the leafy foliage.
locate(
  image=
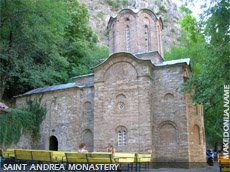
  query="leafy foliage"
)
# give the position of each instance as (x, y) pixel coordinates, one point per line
(193, 43)
(44, 43)
(85, 65)
(22, 120)
(215, 74)
(30, 38)
(81, 50)
(209, 53)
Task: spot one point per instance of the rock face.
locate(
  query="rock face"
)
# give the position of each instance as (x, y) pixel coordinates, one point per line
(101, 10)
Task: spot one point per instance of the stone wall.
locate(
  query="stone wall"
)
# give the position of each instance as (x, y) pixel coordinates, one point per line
(122, 101)
(69, 118)
(169, 120)
(196, 135)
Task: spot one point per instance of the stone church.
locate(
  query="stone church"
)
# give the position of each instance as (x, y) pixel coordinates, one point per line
(132, 100)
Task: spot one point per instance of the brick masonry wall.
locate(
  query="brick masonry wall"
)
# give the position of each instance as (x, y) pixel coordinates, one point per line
(169, 121)
(121, 79)
(69, 118)
(136, 23)
(197, 146)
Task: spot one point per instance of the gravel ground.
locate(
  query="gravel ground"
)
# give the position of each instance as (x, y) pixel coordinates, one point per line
(207, 169)
(214, 168)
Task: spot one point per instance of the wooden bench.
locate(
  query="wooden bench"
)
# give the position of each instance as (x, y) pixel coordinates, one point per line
(125, 160)
(75, 157)
(42, 155)
(124, 157)
(224, 163)
(9, 153)
(59, 156)
(23, 155)
(97, 157)
(142, 159)
(37, 155)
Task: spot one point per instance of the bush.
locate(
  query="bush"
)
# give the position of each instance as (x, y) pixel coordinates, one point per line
(163, 9)
(16, 122)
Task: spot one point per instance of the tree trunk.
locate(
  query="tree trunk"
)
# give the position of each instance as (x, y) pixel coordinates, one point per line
(2, 85)
(6, 67)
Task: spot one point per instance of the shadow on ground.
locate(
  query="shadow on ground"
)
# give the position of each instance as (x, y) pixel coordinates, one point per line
(214, 168)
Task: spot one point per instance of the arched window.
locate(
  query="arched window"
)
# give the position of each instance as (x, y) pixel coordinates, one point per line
(121, 136)
(127, 38)
(196, 135)
(87, 115)
(168, 133)
(146, 38)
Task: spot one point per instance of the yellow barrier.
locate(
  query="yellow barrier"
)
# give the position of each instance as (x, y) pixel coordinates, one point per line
(105, 158)
(74, 157)
(9, 153)
(59, 156)
(224, 163)
(124, 157)
(21, 154)
(43, 156)
(140, 157)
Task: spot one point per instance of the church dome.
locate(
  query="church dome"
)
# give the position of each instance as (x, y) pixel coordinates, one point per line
(135, 32)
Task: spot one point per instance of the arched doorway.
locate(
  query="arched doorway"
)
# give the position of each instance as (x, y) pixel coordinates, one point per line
(53, 143)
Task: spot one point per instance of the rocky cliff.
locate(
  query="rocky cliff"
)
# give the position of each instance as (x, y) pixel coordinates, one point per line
(101, 10)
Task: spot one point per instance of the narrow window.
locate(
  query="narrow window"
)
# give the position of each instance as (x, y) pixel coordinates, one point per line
(146, 38)
(127, 37)
(196, 133)
(121, 136)
(113, 46)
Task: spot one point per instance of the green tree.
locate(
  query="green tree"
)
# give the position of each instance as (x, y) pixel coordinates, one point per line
(31, 32)
(80, 45)
(215, 73)
(192, 42)
(44, 43)
(23, 120)
(210, 62)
